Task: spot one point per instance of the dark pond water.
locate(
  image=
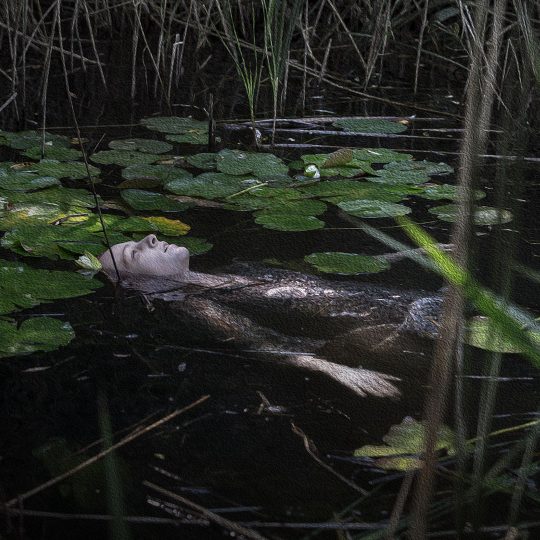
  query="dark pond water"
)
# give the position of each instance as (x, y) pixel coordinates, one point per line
(235, 454)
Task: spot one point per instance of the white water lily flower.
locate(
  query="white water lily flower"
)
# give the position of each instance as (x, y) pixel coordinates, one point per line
(312, 171)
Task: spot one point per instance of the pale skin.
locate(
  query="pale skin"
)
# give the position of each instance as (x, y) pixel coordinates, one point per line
(148, 257)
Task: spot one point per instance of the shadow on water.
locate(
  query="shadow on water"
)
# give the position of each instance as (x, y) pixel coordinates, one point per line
(237, 453)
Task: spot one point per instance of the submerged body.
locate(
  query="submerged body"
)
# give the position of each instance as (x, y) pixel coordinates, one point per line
(288, 316)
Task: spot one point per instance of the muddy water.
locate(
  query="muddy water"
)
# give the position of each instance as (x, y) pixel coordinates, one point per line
(237, 453)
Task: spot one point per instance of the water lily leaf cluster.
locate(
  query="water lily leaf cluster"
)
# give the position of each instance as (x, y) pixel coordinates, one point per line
(36, 334)
(150, 146)
(22, 286)
(482, 215)
(261, 165)
(24, 140)
(179, 130)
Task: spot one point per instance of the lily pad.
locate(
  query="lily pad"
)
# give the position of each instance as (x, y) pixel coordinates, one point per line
(169, 227)
(20, 214)
(25, 181)
(337, 191)
(140, 199)
(428, 167)
(60, 196)
(22, 286)
(374, 209)
(124, 157)
(23, 140)
(346, 263)
(406, 440)
(36, 334)
(59, 153)
(398, 176)
(61, 169)
(288, 222)
(150, 146)
(145, 175)
(370, 125)
(210, 185)
(380, 155)
(193, 136)
(237, 162)
(483, 334)
(446, 191)
(331, 165)
(483, 215)
(173, 124)
(204, 161)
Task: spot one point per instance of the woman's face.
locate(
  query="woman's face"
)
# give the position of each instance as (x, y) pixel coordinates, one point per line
(148, 257)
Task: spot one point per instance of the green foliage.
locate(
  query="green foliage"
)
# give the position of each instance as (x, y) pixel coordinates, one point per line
(173, 124)
(483, 333)
(36, 334)
(379, 155)
(24, 140)
(428, 167)
(150, 146)
(483, 215)
(195, 136)
(124, 157)
(75, 170)
(405, 443)
(12, 180)
(370, 125)
(445, 191)
(236, 162)
(346, 263)
(209, 185)
(24, 287)
(288, 222)
(204, 161)
(374, 208)
(58, 153)
(149, 200)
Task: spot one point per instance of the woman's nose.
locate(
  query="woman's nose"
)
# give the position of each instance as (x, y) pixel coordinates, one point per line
(151, 240)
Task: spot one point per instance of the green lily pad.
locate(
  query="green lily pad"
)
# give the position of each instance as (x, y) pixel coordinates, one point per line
(482, 333)
(140, 199)
(58, 153)
(89, 262)
(346, 263)
(397, 176)
(288, 222)
(374, 209)
(124, 157)
(406, 440)
(446, 191)
(25, 181)
(147, 176)
(236, 162)
(23, 140)
(204, 161)
(22, 213)
(61, 169)
(428, 167)
(483, 215)
(370, 125)
(193, 136)
(150, 146)
(337, 191)
(210, 185)
(60, 196)
(36, 334)
(173, 124)
(332, 165)
(380, 155)
(22, 286)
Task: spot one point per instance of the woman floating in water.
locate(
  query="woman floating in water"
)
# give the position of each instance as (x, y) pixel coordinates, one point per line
(275, 314)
